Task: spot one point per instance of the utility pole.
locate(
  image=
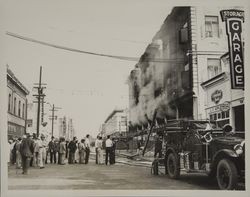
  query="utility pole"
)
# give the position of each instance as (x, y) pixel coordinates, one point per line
(54, 109)
(40, 97)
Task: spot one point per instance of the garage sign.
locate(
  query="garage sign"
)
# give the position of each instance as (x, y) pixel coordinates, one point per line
(234, 20)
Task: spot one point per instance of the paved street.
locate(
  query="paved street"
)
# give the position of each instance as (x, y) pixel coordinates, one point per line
(92, 176)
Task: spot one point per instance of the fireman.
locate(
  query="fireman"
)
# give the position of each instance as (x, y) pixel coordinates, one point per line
(158, 146)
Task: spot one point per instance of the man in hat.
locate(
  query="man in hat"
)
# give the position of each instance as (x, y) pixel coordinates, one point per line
(72, 149)
(26, 150)
(52, 150)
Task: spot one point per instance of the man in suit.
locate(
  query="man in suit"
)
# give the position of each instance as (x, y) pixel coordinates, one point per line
(52, 150)
(112, 153)
(26, 150)
(72, 149)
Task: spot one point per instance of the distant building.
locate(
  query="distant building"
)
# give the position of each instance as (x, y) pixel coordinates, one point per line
(70, 131)
(116, 124)
(66, 128)
(102, 130)
(17, 106)
(31, 118)
(62, 127)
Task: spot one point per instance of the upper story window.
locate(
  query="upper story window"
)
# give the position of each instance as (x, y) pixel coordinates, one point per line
(211, 26)
(14, 106)
(213, 67)
(183, 34)
(9, 103)
(19, 108)
(23, 110)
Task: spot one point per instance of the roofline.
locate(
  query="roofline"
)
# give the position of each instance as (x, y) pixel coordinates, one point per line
(11, 75)
(112, 113)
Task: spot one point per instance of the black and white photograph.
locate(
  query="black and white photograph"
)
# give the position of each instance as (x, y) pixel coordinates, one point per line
(124, 97)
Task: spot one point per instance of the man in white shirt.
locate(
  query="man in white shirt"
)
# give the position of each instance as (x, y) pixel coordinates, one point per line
(42, 144)
(108, 144)
(99, 150)
(87, 144)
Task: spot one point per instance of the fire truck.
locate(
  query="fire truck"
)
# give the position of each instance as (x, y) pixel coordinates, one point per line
(200, 146)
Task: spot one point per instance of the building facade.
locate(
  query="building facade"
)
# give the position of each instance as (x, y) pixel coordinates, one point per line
(71, 130)
(223, 104)
(17, 106)
(184, 53)
(66, 128)
(116, 124)
(62, 127)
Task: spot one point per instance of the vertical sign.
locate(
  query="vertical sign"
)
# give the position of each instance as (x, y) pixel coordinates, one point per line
(234, 20)
(42, 110)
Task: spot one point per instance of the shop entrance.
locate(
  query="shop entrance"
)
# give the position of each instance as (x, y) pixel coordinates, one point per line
(239, 118)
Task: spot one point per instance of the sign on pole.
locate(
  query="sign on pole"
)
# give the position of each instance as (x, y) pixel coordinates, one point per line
(234, 20)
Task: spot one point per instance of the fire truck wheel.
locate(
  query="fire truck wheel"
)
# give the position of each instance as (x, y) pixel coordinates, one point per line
(172, 166)
(226, 175)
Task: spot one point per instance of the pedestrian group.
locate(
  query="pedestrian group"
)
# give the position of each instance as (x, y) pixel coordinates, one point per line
(34, 151)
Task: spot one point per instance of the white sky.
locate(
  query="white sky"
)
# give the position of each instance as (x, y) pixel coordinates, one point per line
(86, 87)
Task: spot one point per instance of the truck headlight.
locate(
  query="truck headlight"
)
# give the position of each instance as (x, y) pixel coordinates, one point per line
(238, 149)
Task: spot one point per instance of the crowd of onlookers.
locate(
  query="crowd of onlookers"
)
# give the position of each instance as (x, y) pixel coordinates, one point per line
(31, 150)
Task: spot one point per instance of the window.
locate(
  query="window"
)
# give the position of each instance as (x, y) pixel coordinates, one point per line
(215, 117)
(211, 26)
(19, 108)
(222, 118)
(14, 106)
(213, 67)
(183, 34)
(23, 111)
(9, 103)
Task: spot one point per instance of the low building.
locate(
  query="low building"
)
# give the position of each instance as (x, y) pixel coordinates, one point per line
(17, 106)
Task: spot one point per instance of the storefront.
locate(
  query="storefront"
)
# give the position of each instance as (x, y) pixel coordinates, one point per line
(15, 130)
(223, 104)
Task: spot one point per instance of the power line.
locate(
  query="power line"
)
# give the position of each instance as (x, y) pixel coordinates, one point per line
(176, 60)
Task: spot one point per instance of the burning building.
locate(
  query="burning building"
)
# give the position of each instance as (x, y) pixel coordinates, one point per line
(184, 53)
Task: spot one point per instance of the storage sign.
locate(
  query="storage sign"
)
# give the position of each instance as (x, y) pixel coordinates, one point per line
(234, 20)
